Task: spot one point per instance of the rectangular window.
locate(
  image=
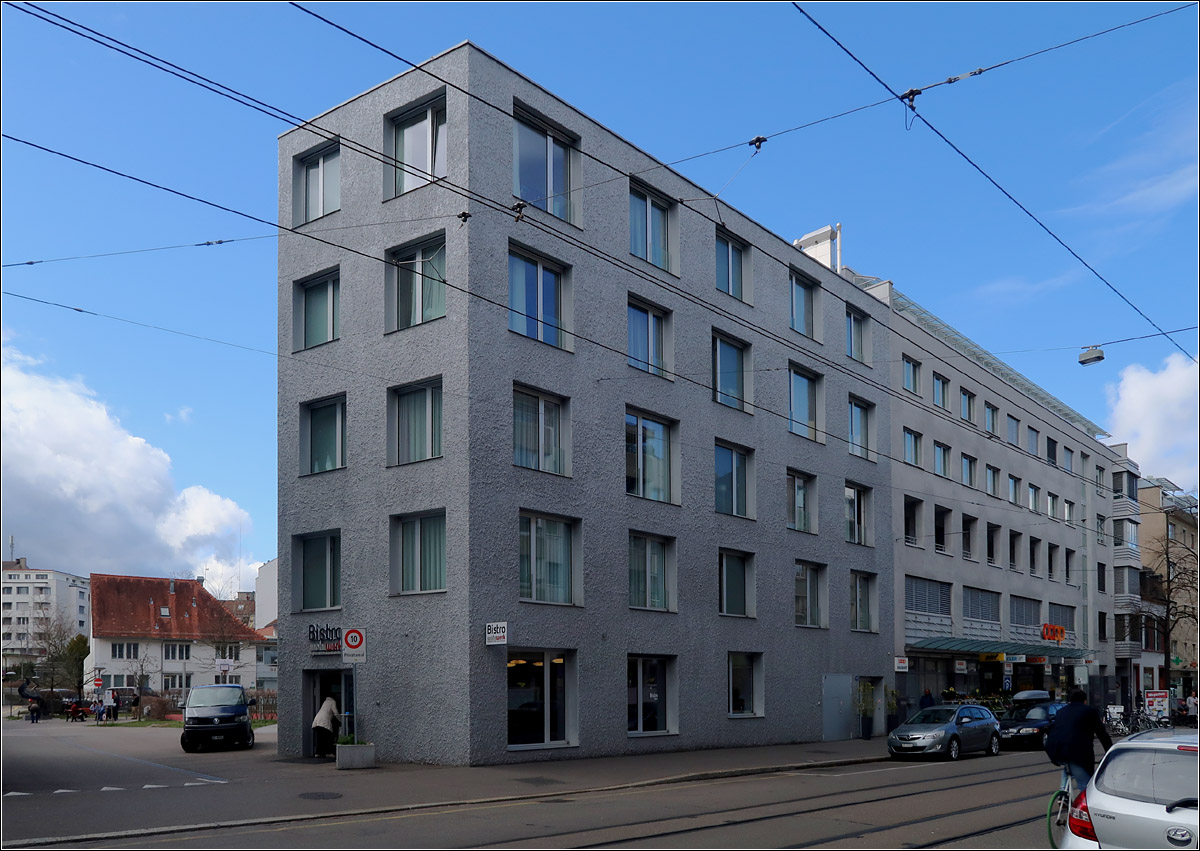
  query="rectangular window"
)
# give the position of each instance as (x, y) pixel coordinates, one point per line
(545, 560)
(1063, 616)
(1068, 511)
(418, 423)
(320, 304)
(420, 285)
(801, 499)
(321, 572)
(745, 684)
(646, 685)
(1031, 440)
(803, 404)
(808, 594)
(912, 376)
(1035, 548)
(1068, 460)
(731, 483)
(728, 375)
(737, 584)
(542, 170)
(941, 391)
(1051, 451)
(1052, 562)
(647, 327)
(420, 148)
(862, 593)
(968, 537)
(912, 447)
(538, 432)
(1068, 564)
(856, 514)
(992, 480)
(855, 330)
(1014, 490)
(647, 457)
(1052, 505)
(1101, 577)
(1102, 626)
(1024, 611)
(968, 470)
(326, 435)
(860, 424)
(177, 652)
(647, 572)
(991, 418)
(1100, 480)
(322, 184)
(1014, 430)
(420, 543)
(729, 266)
(926, 596)
(981, 605)
(535, 304)
(941, 459)
(540, 688)
(966, 405)
(648, 221)
(1035, 497)
(803, 304)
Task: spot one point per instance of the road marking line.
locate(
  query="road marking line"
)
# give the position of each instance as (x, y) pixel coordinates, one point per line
(195, 784)
(112, 788)
(61, 791)
(153, 786)
(206, 780)
(14, 794)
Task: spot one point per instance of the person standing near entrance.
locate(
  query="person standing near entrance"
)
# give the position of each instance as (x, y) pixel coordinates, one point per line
(1069, 742)
(1191, 709)
(927, 700)
(325, 728)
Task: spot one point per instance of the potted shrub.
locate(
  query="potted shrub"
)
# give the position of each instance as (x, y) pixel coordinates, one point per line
(352, 753)
(864, 705)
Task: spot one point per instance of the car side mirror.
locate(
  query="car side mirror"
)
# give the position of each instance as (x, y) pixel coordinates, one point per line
(252, 701)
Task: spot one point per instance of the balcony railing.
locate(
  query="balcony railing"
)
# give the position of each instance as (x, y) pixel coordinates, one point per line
(941, 548)
(911, 540)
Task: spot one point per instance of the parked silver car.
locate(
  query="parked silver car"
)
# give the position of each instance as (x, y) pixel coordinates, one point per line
(1143, 795)
(947, 730)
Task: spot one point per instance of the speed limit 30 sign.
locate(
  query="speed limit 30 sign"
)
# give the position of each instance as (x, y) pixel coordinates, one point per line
(354, 646)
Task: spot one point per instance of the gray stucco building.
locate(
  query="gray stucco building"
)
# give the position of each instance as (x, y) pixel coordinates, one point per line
(522, 392)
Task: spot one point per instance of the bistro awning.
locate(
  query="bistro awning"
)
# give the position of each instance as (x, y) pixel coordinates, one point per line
(973, 646)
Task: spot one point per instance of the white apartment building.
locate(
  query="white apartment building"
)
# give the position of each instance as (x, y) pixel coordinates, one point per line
(32, 600)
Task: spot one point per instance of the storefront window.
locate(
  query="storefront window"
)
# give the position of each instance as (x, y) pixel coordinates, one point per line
(537, 697)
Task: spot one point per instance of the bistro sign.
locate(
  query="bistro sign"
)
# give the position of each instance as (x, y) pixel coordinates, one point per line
(324, 639)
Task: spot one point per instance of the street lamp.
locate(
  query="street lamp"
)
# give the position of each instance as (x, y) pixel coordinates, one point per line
(1091, 355)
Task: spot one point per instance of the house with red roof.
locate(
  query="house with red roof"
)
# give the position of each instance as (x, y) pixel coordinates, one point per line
(165, 635)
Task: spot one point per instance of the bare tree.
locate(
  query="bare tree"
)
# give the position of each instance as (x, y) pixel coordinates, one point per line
(58, 665)
(1168, 589)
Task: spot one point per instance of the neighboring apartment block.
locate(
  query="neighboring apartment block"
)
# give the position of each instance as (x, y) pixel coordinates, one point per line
(647, 436)
(1168, 554)
(35, 601)
(165, 634)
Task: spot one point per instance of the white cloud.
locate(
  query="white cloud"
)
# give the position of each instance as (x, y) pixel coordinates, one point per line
(183, 415)
(1156, 414)
(1021, 289)
(82, 494)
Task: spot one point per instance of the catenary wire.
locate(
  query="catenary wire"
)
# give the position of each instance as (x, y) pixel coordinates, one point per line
(868, 451)
(570, 239)
(992, 180)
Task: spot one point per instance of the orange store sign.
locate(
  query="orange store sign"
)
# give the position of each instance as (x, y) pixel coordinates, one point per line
(1053, 632)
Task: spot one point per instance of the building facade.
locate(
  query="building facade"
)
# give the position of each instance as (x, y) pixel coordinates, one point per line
(36, 601)
(167, 635)
(1168, 554)
(663, 475)
(1001, 495)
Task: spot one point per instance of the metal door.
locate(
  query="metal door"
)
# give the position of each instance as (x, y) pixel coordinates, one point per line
(837, 711)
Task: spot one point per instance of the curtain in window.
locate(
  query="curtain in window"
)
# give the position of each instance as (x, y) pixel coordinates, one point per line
(657, 569)
(800, 503)
(409, 543)
(435, 422)
(526, 557)
(525, 430)
(323, 434)
(433, 553)
(637, 225)
(433, 288)
(439, 143)
(553, 570)
(413, 425)
(658, 235)
(408, 281)
(551, 437)
(412, 149)
(522, 296)
(639, 337)
(802, 595)
(332, 195)
(656, 460)
(637, 570)
(551, 320)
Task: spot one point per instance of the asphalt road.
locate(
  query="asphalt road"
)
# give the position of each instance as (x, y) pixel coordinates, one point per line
(978, 802)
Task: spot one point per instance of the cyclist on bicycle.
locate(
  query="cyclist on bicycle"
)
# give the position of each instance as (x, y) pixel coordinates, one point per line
(1069, 742)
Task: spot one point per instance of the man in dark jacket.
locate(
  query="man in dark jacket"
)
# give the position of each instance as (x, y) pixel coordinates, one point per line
(927, 700)
(1069, 742)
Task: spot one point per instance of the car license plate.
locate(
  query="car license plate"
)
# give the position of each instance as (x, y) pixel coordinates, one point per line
(1007, 734)
(217, 738)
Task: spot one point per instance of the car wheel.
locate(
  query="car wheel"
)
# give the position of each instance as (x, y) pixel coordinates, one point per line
(188, 747)
(953, 749)
(249, 740)
(1045, 737)
(994, 745)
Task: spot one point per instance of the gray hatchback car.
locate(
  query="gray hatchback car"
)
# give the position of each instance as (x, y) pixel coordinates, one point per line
(948, 730)
(1143, 795)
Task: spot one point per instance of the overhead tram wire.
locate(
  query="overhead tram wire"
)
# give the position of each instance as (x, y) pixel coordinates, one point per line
(912, 107)
(503, 306)
(499, 207)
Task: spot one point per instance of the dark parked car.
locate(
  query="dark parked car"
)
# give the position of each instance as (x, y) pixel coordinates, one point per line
(1026, 725)
(948, 730)
(217, 715)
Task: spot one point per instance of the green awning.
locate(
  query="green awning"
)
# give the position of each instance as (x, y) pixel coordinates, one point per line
(974, 646)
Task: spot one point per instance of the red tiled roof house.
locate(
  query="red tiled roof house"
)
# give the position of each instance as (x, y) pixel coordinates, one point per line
(165, 634)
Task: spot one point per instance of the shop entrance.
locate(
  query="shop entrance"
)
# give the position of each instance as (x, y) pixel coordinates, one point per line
(318, 685)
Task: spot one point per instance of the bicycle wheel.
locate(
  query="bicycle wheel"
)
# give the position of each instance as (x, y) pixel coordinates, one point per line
(1056, 817)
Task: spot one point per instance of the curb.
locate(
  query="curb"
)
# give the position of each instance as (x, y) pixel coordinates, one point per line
(558, 793)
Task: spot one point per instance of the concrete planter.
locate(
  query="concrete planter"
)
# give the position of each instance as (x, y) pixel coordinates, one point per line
(355, 756)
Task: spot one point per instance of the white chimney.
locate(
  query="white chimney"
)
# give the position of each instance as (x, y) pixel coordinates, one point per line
(824, 246)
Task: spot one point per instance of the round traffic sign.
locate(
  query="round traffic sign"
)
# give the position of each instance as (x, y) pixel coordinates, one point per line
(97, 682)
(353, 638)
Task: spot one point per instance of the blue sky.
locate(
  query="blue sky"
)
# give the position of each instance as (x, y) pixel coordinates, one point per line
(127, 449)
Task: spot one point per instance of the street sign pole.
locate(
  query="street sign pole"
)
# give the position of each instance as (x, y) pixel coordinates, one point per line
(354, 668)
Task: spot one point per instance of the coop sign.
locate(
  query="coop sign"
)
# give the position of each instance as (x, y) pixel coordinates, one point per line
(324, 639)
(1053, 632)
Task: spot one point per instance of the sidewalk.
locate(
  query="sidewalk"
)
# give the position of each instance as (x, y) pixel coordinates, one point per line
(280, 782)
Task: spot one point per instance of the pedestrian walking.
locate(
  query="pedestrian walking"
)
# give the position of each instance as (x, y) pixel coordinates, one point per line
(1191, 709)
(927, 700)
(1069, 742)
(35, 711)
(115, 707)
(325, 728)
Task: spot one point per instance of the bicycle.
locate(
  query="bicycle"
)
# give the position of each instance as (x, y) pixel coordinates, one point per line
(1058, 813)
